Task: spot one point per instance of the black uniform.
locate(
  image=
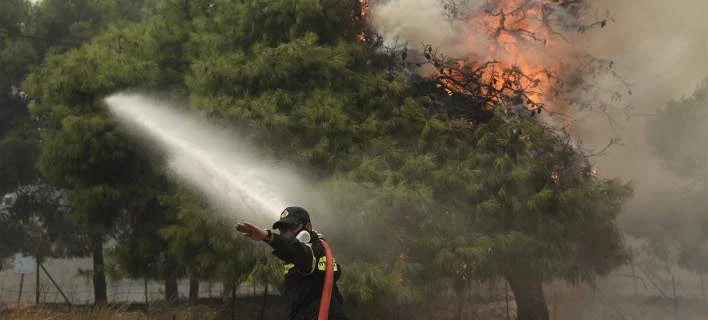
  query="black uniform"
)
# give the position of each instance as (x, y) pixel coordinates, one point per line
(304, 277)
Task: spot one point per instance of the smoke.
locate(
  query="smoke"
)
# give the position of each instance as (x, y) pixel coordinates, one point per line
(460, 29)
(418, 22)
(219, 163)
(659, 48)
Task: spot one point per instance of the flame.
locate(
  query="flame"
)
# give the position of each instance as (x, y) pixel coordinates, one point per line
(359, 15)
(515, 51)
(464, 271)
(555, 176)
(361, 37)
(523, 56)
(364, 8)
(361, 12)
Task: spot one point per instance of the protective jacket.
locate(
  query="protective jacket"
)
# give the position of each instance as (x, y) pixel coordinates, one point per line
(304, 277)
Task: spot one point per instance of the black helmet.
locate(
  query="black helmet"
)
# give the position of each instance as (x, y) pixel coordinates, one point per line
(292, 216)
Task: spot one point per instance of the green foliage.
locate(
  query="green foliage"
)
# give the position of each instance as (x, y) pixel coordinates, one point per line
(17, 148)
(104, 174)
(379, 285)
(11, 235)
(27, 32)
(200, 240)
(72, 22)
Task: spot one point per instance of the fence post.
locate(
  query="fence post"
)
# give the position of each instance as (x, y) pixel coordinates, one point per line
(673, 285)
(36, 288)
(19, 296)
(634, 275)
(506, 298)
(703, 289)
(146, 294)
(265, 300)
(233, 301)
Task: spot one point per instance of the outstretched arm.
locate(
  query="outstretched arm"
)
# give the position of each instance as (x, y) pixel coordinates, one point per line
(287, 249)
(252, 232)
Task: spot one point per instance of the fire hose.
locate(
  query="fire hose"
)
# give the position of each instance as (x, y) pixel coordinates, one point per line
(328, 282)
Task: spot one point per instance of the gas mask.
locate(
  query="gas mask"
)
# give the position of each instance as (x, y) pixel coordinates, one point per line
(300, 233)
(289, 233)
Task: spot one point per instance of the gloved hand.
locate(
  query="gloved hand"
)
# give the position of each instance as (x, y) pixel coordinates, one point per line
(250, 231)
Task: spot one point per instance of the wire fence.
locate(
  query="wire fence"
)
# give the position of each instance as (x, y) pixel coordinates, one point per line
(631, 292)
(70, 283)
(122, 291)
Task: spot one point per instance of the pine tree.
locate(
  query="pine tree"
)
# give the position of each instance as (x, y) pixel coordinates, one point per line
(83, 150)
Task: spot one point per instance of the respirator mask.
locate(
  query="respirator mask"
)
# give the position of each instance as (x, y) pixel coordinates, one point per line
(300, 233)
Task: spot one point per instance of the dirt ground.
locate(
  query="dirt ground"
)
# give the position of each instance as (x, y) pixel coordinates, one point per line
(247, 308)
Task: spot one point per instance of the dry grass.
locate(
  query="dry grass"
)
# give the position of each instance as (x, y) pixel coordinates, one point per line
(109, 312)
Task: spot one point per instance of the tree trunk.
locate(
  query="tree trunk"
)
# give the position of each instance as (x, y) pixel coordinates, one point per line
(460, 303)
(528, 293)
(193, 289)
(233, 301)
(99, 275)
(171, 291)
(265, 301)
(226, 293)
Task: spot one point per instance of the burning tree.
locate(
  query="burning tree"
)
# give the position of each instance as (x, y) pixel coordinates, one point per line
(519, 56)
(529, 198)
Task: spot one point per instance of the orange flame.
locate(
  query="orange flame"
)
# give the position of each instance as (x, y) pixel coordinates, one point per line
(526, 56)
(358, 16)
(361, 37)
(364, 7)
(363, 11)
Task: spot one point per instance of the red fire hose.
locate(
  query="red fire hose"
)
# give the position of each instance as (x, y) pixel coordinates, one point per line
(328, 282)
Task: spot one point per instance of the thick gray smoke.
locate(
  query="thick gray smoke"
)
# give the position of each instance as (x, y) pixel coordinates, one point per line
(660, 48)
(417, 22)
(463, 32)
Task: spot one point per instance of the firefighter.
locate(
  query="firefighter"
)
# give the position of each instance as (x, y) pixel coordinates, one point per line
(304, 255)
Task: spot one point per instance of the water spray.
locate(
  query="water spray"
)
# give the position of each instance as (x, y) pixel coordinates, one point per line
(215, 161)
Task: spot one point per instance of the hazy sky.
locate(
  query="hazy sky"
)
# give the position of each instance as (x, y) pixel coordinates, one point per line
(660, 48)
